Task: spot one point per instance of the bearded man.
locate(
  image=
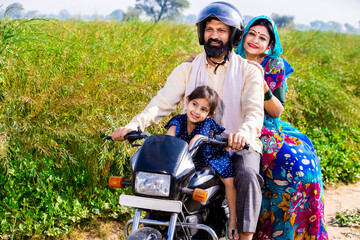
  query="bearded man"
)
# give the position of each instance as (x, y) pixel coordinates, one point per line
(239, 85)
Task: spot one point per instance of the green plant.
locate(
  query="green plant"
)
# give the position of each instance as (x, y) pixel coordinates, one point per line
(348, 218)
(323, 98)
(61, 97)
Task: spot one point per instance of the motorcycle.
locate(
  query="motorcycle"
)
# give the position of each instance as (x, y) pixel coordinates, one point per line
(181, 198)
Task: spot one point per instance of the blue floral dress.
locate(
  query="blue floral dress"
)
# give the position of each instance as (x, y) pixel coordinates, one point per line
(217, 158)
(293, 195)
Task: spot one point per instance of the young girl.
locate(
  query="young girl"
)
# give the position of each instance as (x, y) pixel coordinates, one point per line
(197, 122)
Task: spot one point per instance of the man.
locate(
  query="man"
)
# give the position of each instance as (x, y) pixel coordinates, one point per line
(239, 85)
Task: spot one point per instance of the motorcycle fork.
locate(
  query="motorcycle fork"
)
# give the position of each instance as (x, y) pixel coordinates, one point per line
(172, 223)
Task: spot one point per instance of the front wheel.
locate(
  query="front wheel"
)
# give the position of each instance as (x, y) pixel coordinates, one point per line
(145, 233)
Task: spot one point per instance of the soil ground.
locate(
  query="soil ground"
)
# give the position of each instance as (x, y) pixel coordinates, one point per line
(338, 199)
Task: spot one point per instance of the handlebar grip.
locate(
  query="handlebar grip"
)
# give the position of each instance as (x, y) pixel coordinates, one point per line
(247, 146)
(131, 136)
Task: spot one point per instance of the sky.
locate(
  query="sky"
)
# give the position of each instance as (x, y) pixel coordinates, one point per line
(304, 11)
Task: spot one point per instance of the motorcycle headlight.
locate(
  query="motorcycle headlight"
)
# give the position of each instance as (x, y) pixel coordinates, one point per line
(152, 184)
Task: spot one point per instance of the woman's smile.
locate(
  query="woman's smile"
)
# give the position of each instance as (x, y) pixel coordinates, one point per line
(252, 46)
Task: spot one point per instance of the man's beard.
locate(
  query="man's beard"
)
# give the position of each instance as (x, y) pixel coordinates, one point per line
(214, 51)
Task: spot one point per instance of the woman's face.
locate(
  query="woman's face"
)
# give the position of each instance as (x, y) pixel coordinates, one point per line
(256, 41)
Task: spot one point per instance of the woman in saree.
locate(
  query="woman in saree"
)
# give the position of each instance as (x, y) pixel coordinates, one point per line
(293, 195)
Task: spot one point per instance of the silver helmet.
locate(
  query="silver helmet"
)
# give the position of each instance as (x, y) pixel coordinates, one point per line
(226, 13)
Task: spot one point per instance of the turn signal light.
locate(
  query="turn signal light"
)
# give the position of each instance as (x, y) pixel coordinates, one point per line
(115, 182)
(199, 195)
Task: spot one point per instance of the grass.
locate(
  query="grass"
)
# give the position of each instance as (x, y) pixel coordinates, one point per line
(66, 85)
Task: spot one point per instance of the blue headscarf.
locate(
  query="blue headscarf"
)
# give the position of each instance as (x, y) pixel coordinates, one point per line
(274, 51)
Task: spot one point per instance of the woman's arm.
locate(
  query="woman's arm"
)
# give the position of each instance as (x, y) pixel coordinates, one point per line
(274, 98)
(272, 106)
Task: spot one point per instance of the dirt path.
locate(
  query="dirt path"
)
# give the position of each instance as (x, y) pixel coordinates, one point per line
(338, 199)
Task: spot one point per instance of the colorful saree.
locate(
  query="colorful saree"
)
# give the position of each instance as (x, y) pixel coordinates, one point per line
(293, 195)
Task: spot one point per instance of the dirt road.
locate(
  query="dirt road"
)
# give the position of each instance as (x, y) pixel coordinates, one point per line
(338, 199)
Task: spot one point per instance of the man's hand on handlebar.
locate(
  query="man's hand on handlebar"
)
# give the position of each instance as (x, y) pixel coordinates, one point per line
(118, 134)
(236, 142)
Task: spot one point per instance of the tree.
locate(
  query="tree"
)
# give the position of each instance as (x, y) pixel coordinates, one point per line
(160, 9)
(14, 10)
(302, 27)
(282, 21)
(64, 14)
(317, 25)
(117, 15)
(132, 14)
(335, 26)
(191, 18)
(349, 28)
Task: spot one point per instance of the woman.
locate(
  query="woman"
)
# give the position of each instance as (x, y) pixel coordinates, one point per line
(293, 202)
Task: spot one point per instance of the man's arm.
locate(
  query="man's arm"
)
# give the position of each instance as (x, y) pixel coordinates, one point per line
(161, 105)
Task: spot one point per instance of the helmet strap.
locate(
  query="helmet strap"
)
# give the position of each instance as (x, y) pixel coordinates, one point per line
(220, 63)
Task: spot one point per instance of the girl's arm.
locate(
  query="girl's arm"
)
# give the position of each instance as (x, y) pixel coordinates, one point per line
(172, 130)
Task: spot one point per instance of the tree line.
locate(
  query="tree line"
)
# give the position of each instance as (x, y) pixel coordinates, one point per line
(171, 11)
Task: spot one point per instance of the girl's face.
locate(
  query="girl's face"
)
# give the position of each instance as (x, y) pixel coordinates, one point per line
(256, 41)
(197, 110)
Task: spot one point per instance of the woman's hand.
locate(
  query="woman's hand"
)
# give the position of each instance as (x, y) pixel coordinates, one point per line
(191, 58)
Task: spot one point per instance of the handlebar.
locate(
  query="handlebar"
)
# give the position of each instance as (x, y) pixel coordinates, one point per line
(214, 140)
(133, 136)
(136, 135)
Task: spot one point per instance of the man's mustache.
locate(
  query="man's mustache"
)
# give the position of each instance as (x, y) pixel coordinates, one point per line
(216, 41)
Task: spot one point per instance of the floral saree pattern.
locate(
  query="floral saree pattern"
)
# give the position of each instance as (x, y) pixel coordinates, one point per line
(293, 196)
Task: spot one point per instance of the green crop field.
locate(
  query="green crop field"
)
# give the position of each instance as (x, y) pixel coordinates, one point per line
(66, 85)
